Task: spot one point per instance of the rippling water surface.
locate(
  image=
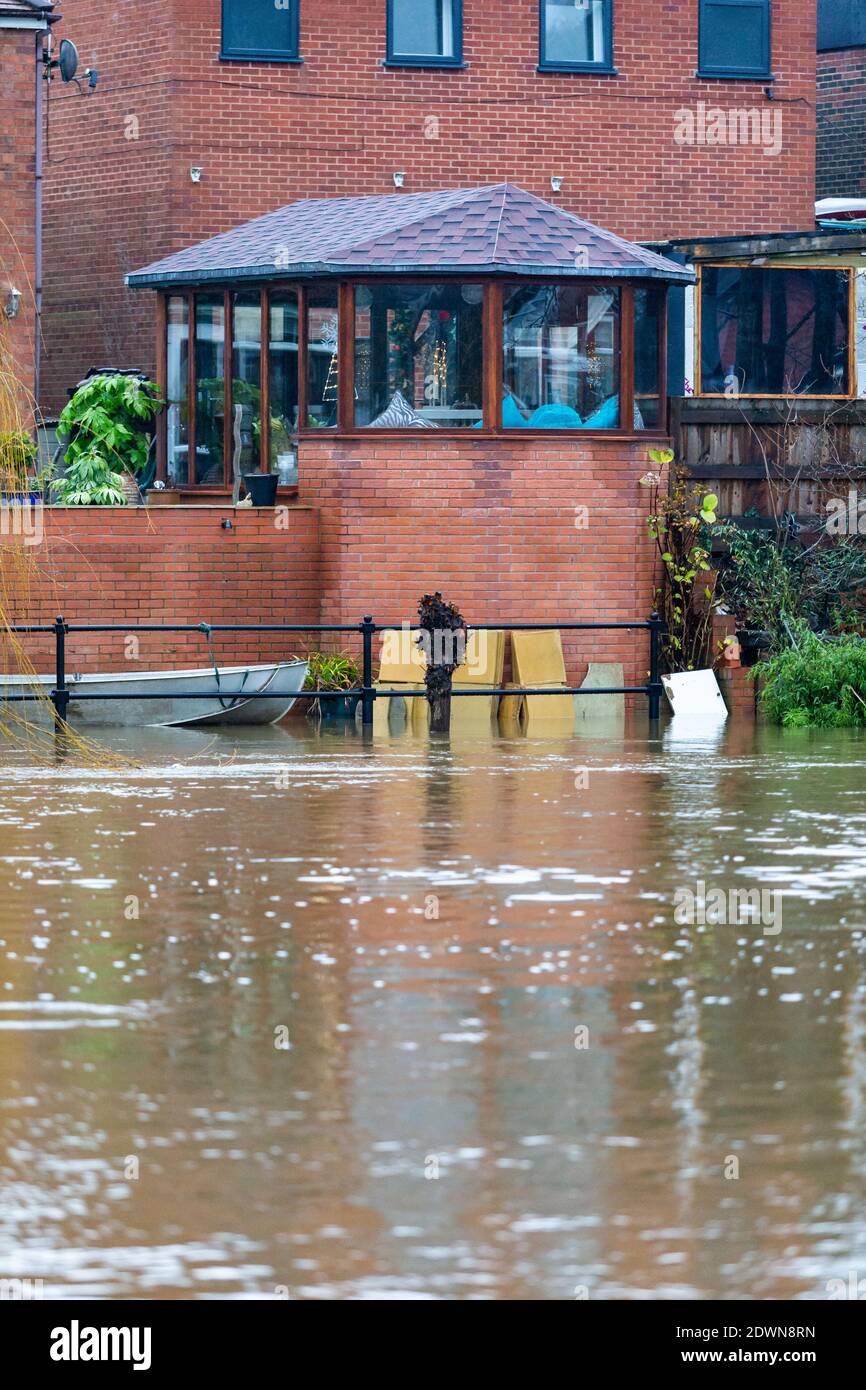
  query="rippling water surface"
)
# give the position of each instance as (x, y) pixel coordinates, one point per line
(288, 1015)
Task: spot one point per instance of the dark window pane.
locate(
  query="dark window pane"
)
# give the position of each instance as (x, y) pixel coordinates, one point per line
(210, 334)
(734, 37)
(574, 31)
(561, 357)
(774, 332)
(246, 381)
(284, 384)
(424, 28)
(177, 389)
(418, 356)
(323, 363)
(648, 308)
(267, 27)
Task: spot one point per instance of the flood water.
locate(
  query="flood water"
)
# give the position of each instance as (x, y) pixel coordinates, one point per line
(288, 1015)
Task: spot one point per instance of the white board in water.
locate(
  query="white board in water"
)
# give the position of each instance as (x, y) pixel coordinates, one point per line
(695, 692)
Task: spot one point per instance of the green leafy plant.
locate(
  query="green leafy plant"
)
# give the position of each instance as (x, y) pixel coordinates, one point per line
(106, 425)
(330, 671)
(677, 523)
(815, 682)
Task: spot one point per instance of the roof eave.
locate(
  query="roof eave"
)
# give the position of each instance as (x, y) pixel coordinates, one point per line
(305, 270)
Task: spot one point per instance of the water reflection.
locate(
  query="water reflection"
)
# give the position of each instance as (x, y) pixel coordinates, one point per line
(353, 1020)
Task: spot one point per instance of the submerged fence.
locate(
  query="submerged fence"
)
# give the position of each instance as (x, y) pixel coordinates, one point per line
(366, 693)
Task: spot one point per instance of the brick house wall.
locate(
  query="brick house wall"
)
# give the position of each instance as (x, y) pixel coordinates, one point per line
(119, 193)
(17, 200)
(841, 133)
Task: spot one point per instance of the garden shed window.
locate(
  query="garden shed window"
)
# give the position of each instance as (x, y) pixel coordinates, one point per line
(576, 34)
(775, 331)
(425, 32)
(418, 356)
(734, 38)
(561, 357)
(260, 30)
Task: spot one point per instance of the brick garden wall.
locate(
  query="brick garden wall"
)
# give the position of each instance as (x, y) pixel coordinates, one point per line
(17, 196)
(171, 564)
(841, 136)
(119, 192)
(495, 525)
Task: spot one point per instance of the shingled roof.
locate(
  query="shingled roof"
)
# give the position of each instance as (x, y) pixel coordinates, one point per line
(495, 229)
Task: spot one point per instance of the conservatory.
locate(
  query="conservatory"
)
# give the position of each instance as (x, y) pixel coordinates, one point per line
(479, 313)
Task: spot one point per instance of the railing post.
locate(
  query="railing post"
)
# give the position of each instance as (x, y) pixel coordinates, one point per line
(60, 694)
(655, 688)
(368, 694)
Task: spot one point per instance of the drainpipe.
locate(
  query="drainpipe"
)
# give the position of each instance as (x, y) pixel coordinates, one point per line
(37, 346)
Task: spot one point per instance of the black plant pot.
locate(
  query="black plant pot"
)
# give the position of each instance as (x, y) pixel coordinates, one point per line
(335, 710)
(261, 488)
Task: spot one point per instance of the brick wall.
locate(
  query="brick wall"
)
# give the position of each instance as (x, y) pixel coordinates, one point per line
(119, 190)
(17, 197)
(171, 564)
(493, 525)
(841, 134)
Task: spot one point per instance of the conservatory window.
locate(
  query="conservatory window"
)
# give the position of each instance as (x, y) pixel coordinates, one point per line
(648, 316)
(561, 357)
(210, 337)
(283, 381)
(177, 388)
(425, 32)
(323, 357)
(246, 381)
(418, 356)
(774, 331)
(576, 34)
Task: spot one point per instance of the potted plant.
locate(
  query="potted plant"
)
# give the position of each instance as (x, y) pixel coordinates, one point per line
(18, 455)
(107, 425)
(332, 672)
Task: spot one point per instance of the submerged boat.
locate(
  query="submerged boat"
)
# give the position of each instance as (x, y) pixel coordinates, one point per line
(223, 696)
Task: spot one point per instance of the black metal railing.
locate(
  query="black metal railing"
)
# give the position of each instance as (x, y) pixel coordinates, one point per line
(367, 693)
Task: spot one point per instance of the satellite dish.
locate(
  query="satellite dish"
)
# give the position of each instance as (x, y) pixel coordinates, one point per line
(68, 60)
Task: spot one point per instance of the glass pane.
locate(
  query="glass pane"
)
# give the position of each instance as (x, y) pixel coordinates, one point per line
(648, 307)
(210, 338)
(258, 26)
(574, 31)
(322, 357)
(774, 332)
(423, 28)
(733, 37)
(284, 385)
(246, 381)
(177, 390)
(561, 357)
(418, 356)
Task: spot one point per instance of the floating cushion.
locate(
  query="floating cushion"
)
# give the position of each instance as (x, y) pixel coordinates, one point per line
(554, 417)
(399, 415)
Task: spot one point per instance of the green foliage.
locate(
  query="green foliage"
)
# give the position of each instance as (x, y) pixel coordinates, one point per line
(771, 584)
(678, 524)
(332, 672)
(106, 424)
(17, 451)
(817, 682)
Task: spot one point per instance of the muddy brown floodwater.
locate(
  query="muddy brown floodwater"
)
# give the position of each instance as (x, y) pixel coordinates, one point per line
(288, 1015)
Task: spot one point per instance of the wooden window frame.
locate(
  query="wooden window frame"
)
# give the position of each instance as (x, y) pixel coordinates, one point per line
(849, 395)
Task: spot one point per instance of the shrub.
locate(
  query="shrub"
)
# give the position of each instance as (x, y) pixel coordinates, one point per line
(816, 682)
(106, 424)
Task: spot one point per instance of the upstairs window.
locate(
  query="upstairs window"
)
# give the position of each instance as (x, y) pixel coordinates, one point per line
(261, 31)
(425, 33)
(734, 38)
(576, 35)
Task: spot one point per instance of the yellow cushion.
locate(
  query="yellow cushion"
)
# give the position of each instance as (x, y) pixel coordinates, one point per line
(403, 662)
(485, 660)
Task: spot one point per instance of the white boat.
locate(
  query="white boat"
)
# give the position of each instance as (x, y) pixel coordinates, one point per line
(225, 695)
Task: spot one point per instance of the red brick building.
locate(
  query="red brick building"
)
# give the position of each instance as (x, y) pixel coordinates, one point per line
(592, 94)
(841, 108)
(22, 24)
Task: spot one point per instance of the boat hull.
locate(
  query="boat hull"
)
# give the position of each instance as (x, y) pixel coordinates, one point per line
(222, 699)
